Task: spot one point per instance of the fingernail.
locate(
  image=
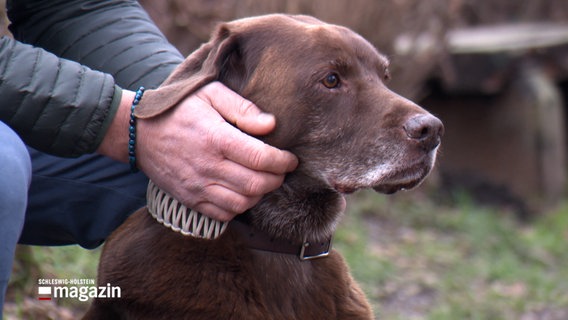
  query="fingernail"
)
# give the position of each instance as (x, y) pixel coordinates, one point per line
(293, 164)
(266, 117)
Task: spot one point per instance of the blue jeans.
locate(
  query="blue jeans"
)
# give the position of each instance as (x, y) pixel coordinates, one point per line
(69, 201)
(15, 177)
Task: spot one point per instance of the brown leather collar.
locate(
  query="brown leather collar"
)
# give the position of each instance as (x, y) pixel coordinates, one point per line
(259, 240)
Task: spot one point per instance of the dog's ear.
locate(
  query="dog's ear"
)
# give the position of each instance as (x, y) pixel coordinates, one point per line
(198, 69)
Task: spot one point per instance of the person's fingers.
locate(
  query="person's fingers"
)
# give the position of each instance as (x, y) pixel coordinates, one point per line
(229, 200)
(223, 204)
(251, 152)
(237, 110)
(243, 180)
(214, 212)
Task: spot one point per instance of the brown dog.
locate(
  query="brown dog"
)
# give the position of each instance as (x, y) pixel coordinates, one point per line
(325, 85)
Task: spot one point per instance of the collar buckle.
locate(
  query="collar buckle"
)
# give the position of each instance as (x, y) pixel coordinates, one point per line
(311, 251)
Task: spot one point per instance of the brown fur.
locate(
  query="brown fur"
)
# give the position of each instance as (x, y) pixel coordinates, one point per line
(356, 135)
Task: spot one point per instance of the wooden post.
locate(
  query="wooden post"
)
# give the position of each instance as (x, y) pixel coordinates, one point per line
(504, 115)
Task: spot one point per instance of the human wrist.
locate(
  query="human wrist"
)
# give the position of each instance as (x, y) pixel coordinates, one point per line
(110, 114)
(115, 141)
(132, 130)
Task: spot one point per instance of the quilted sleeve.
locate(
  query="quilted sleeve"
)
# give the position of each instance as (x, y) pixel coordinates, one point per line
(112, 36)
(55, 105)
(64, 107)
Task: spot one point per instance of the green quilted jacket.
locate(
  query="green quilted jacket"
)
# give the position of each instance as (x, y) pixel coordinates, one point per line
(62, 72)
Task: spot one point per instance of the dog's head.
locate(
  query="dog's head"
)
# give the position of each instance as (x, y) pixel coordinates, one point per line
(326, 86)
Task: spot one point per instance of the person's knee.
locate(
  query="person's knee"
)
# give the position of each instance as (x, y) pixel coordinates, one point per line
(15, 170)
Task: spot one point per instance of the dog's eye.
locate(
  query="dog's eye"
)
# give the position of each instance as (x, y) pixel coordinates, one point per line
(331, 81)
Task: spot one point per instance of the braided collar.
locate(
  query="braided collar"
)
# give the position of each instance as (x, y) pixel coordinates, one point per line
(174, 215)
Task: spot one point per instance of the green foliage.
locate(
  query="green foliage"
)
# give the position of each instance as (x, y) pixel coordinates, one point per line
(457, 262)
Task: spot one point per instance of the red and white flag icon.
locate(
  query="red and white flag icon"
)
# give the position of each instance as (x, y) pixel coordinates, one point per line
(44, 293)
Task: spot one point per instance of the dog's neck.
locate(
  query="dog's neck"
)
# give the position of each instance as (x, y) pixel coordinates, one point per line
(297, 218)
(301, 208)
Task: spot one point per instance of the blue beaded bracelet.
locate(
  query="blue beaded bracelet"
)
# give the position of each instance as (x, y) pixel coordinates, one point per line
(132, 130)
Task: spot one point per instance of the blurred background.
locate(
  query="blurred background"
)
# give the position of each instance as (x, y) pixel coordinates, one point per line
(485, 236)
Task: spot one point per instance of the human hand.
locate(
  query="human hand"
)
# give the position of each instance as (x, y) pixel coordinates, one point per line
(203, 161)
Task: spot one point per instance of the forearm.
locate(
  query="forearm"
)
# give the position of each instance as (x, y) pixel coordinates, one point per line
(55, 105)
(115, 141)
(113, 36)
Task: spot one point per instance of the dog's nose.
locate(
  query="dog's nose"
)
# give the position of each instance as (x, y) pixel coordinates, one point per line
(425, 129)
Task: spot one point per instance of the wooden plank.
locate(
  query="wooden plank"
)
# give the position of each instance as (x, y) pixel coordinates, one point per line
(507, 38)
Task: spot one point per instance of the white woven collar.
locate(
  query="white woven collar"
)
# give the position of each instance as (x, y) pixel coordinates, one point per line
(174, 215)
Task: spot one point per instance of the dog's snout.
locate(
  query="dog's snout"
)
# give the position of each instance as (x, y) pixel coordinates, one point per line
(426, 129)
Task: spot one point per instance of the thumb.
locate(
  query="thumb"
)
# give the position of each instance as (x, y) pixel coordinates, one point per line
(237, 110)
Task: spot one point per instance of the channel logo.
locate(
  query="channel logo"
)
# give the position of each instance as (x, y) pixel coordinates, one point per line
(44, 293)
(78, 290)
